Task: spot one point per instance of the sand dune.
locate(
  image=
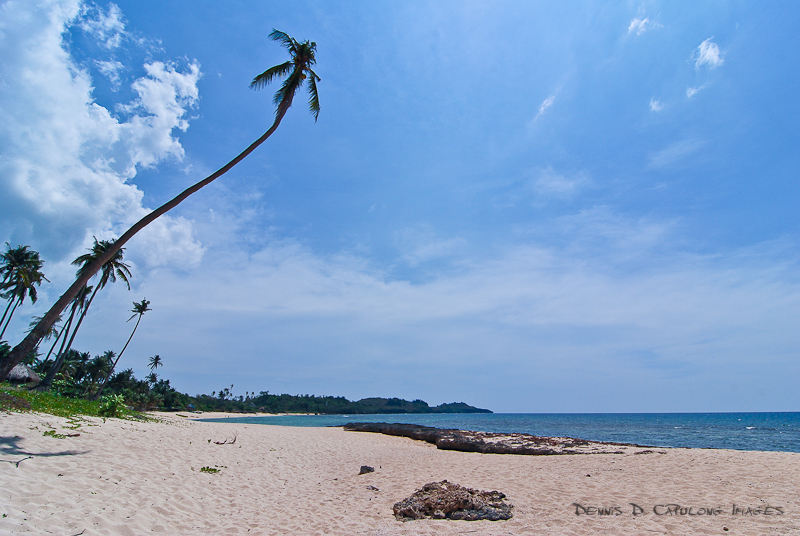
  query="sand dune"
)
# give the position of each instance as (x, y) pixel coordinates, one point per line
(125, 477)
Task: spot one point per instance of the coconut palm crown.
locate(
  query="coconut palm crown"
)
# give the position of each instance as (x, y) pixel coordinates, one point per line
(297, 70)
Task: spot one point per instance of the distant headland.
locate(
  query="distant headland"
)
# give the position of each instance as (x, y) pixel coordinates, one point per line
(324, 405)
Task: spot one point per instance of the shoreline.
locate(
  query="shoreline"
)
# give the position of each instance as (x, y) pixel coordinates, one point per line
(131, 477)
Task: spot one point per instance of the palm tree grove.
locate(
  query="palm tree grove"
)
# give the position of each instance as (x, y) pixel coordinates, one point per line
(70, 372)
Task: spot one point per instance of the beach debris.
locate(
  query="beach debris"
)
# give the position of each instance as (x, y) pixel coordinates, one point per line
(16, 463)
(372, 488)
(366, 469)
(228, 441)
(492, 442)
(447, 500)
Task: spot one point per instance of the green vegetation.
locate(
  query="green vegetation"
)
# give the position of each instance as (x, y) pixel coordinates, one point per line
(326, 405)
(210, 470)
(20, 399)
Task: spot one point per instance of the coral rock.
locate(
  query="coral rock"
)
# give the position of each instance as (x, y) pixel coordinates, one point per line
(446, 500)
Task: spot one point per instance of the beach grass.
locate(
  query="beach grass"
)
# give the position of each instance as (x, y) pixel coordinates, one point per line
(19, 399)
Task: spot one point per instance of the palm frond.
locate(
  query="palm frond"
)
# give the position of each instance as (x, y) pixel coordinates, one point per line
(313, 96)
(287, 90)
(273, 72)
(282, 38)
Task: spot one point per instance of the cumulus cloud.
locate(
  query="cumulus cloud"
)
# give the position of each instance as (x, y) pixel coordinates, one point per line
(110, 69)
(108, 27)
(707, 54)
(65, 161)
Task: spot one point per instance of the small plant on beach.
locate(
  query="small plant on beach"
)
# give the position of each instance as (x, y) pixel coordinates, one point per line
(53, 433)
(111, 406)
(210, 470)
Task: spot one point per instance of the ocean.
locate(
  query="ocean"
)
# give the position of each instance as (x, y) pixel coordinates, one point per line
(737, 431)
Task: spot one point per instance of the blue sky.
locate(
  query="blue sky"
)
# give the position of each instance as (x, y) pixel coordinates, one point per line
(526, 206)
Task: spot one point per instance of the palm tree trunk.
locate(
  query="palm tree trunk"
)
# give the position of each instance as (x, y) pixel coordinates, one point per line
(48, 380)
(7, 308)
(108, 376)
(32, 339)
(60, 333)
(16, 303)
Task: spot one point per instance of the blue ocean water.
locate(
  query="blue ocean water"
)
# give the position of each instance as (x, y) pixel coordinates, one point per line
(738, 431)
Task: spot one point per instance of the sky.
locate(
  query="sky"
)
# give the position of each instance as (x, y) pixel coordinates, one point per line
(526, 206)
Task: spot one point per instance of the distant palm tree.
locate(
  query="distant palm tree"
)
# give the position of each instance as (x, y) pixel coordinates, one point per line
(139, 309)
(297, 71)
(21, 271)
(155, 362)
(99, 367)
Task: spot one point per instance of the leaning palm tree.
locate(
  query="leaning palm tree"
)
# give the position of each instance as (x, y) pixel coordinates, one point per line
(297, 71)
(113, 268)
(79, 303)
(139, 309)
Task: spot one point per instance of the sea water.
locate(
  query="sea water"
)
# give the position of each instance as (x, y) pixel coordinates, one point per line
(738, 431)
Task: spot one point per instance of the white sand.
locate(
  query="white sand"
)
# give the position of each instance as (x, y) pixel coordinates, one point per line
(123, 477)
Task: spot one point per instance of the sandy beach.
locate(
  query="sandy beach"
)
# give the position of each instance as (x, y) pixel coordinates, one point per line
(128, 477)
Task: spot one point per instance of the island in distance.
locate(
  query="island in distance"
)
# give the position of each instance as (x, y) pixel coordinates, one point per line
(325, 405)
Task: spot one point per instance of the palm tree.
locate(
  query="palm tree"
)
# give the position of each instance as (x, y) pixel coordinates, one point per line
(139, 309)
(298, 68)
(99, 367)
(79, 303)
(112, 269)
(21, 270)
(155, 362)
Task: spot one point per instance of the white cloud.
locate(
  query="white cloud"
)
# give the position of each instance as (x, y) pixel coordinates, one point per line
(546, 103)
(692, 91)
(638, 25)
(708, 54)
(309, 322)
(65, 161)
(111, 70)
(108, 28)
(641, 24)
(655, 105)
